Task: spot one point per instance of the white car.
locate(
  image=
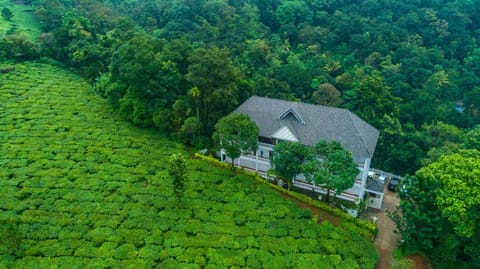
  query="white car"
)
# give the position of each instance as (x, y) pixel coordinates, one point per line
(382, 178)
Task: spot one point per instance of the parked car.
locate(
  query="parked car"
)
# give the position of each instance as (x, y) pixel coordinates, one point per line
(382, 178)
(392, 185)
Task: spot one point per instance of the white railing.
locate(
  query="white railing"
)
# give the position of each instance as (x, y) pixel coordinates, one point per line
(317, 189)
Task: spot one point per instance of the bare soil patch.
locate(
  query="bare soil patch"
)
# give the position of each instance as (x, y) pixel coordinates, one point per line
(419, 262)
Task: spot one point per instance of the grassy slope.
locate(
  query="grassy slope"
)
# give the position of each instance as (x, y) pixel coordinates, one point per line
(88, 189)
(23, 21)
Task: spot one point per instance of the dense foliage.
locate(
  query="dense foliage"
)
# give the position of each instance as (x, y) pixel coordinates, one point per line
(83, 188)
(7, 13)
(288, 159)
(332, 167)
(411, 68)
(236, 133)
(327, 164)
(400, 65)
(18, 21)
(439, 213)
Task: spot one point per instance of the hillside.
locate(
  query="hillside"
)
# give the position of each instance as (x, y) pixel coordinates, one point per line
(83, 188)
(406, 67)
(23, 21)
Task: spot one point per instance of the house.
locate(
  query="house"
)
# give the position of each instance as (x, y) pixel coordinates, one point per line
(280, 120)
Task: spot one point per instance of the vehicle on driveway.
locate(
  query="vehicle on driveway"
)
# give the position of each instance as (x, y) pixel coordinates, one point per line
(392, 185)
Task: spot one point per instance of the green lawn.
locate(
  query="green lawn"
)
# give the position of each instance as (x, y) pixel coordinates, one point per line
(89, 190)
(22, 23)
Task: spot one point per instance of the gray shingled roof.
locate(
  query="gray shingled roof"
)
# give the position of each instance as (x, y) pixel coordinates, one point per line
(374, 185)
(310, 123)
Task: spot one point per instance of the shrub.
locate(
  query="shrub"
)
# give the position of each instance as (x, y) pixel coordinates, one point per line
(253, 259)
(135, 237)
(86, 249)
(106, 250)
(169, 263)
(126, 251)
(18, 47)
(99, 235)
(150, 252)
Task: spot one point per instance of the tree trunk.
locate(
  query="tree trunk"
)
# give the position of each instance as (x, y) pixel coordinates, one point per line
(328, 196)
(233, 164)
(198, 109)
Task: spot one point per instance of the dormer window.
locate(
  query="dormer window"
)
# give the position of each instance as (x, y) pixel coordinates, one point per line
(292, 113)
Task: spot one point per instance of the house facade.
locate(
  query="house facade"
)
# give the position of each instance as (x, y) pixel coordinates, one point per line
(280, 120)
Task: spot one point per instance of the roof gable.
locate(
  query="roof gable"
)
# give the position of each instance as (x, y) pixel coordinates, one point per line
(292, 112)
(284, 133)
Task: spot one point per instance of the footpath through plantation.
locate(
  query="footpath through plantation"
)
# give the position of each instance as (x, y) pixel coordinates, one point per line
(80, 188)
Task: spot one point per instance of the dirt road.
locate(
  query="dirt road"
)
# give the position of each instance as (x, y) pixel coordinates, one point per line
(386, 240)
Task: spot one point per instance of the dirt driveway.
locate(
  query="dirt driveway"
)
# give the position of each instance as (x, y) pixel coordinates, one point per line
(386, 240)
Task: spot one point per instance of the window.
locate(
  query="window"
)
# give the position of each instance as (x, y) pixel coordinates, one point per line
(266, 140)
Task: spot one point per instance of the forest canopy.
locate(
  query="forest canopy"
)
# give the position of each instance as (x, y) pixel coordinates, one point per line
(404, 66)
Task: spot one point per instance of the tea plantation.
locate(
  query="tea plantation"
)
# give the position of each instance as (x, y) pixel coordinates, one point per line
(84, 189)
(23, 21)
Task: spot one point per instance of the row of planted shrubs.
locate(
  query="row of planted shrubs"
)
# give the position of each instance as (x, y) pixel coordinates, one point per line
(105, 212)
(365, 228)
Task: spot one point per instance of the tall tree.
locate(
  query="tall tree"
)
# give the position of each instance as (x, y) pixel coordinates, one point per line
(217, 79)
(143, 79)
(190, 131)
(326, 94)
(439, 212)
(7, 14)
(288, 158)
(471, 140)
(372, 99)
(177, 170)
(442, 139)
(18, 47)
(236, 133)
(333, 168)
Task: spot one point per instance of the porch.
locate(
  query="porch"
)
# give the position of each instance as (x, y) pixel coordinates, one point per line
(259, 163)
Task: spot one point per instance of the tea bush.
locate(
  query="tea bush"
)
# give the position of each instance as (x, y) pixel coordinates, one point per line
(88, 190)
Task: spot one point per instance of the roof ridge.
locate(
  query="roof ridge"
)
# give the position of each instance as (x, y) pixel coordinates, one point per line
(299, 103)
(364, 144)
